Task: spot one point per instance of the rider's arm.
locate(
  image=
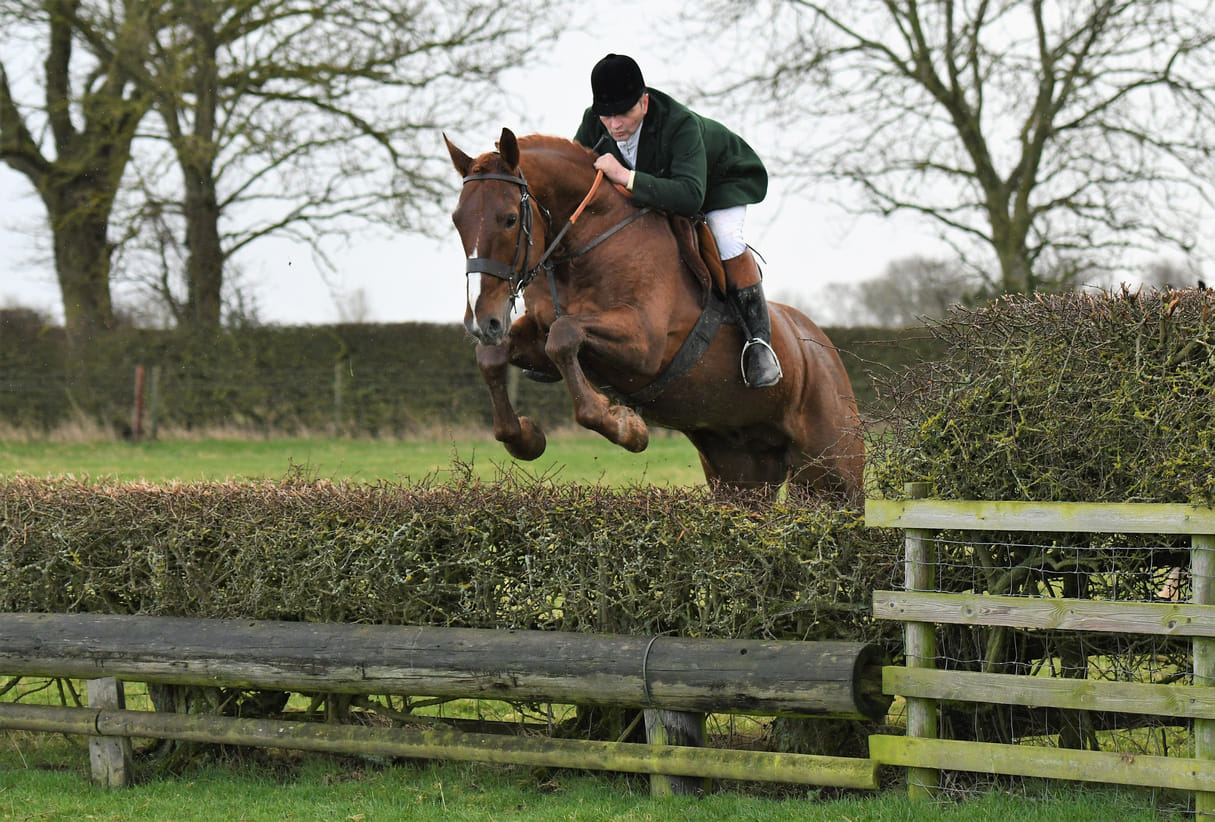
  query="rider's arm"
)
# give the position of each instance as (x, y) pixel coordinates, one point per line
(679, 183)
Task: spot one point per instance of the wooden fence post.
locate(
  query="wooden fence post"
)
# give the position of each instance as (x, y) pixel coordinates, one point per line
(137, 416)
(920, 643)
(1202, 585)
(152, 411)
(675, 728)
(339, 380)
(109, 756)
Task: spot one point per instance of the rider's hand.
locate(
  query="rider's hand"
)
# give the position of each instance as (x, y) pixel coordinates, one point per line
(612, 169)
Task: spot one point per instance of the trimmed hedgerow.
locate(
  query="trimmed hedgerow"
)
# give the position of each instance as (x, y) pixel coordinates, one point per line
(1069, 398)
(470, 554)
(1078, 398)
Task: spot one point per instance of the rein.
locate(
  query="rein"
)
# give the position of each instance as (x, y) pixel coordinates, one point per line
(513, 273)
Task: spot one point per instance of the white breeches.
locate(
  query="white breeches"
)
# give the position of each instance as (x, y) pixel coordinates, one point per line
(727, 227)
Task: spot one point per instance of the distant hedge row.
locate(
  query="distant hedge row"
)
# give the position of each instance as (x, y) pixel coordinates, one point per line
(353, 379)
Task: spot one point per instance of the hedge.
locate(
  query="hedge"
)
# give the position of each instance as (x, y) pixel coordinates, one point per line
(1072, 398)
(470, 554)
(393, 380)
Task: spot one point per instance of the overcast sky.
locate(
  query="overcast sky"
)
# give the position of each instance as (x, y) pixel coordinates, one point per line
(406, 278)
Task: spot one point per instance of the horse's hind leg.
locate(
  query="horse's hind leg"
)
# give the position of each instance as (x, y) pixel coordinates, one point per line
(836, 472)
(732, 463)
(522, 438)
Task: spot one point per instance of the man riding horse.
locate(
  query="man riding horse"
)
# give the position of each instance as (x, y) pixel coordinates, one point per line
(671, 158)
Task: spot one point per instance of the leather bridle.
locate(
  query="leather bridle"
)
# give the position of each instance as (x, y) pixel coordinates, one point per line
(514, 273)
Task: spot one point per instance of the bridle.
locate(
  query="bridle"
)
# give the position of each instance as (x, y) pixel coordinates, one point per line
(514, 273)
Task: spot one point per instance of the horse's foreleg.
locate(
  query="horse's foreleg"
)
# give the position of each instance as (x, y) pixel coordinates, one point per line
(522, 438)
(592, 409)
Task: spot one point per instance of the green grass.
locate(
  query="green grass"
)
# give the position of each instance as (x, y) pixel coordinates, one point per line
(41, 780)
(571, 457)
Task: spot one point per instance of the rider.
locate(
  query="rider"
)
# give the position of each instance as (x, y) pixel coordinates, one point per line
(673, 159)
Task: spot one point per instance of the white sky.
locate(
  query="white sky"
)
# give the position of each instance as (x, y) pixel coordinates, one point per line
(406, 278)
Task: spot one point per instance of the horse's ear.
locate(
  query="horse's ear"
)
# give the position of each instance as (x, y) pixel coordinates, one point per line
(459, 159)
(508, 147)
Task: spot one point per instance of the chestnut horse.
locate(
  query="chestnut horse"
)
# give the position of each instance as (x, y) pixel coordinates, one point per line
(611, 308)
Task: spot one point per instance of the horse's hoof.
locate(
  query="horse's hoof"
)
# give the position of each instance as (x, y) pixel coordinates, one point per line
(632, 432)
(529, 444)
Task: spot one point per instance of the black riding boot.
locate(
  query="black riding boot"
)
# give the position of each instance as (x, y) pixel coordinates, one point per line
(760, 367)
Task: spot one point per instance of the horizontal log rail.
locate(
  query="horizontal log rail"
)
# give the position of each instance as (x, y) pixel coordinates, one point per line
(838, 679)
(451, 745)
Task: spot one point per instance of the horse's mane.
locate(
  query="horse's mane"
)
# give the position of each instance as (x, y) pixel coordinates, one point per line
(539, 147)
(558, 145)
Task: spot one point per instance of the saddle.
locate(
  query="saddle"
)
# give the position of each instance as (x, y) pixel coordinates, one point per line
(699, 251)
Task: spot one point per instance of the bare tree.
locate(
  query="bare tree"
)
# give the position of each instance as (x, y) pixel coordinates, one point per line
(1164, 274)
(297, 118)
(910, 290)
(1042, 138)
(74, 143)
(306, 118)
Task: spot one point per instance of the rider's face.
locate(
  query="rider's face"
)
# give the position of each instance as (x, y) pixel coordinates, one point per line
(622, 126)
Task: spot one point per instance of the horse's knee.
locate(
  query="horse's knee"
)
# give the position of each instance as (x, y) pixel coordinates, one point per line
(492, 359)
(564, 340)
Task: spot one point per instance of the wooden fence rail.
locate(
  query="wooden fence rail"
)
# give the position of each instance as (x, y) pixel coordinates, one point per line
(661, 674)
(921, 608)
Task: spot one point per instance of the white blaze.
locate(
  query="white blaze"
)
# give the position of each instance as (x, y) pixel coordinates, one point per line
(474, 293)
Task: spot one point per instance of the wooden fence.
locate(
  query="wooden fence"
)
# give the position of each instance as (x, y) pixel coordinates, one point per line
(921, 609)
(669, 677)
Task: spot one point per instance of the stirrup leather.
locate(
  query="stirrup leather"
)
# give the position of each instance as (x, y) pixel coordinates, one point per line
(742, 361)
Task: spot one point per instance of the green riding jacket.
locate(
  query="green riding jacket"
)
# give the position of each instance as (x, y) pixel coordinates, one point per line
(686, 163)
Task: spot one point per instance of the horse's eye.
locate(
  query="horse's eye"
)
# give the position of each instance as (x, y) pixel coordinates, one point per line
(512, 220)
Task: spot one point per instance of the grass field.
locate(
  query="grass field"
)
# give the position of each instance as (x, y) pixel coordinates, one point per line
(571, 457)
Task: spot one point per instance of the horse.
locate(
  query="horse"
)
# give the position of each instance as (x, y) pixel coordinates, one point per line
(617, 302)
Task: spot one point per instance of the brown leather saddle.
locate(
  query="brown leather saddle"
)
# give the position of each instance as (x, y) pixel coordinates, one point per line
(699, 251)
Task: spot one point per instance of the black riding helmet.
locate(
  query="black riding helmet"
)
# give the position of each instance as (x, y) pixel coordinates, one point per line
(616, 85)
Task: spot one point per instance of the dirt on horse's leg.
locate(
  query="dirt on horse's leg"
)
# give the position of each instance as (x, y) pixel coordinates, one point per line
(522, 438)
(618, 423)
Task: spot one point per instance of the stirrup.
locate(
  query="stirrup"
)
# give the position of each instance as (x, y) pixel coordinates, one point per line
(742, 364)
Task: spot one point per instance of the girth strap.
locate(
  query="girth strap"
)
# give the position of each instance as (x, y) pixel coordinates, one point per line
(697, 343)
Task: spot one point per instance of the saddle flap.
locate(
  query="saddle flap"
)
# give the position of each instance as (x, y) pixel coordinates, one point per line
(711, 256)
(699, 251)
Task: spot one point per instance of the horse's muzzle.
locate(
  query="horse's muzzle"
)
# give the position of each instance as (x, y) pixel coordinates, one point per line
(489, 327)
(492, 332)
(486, 315)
